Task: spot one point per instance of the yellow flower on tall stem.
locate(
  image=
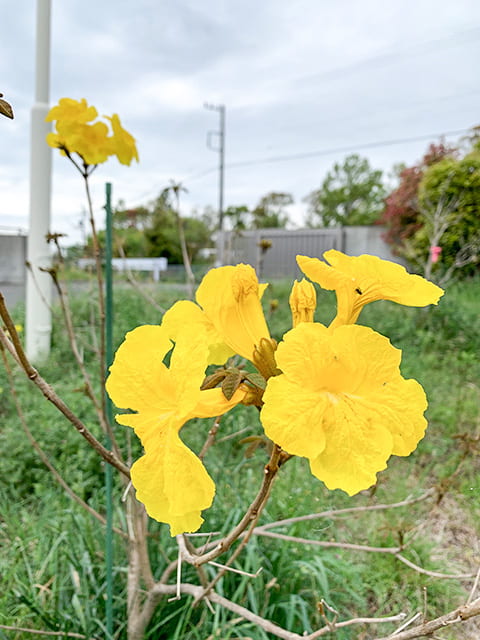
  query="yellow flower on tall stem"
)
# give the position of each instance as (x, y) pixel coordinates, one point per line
(342, 403)
(363, 279)
(170, 480)
(76, 133)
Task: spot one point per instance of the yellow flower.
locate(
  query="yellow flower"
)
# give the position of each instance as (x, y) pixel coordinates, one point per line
(229, 311)
(71, 110)
(90, 141)
(123, 142)
(230, 298)
(170, 480)
(342, 403)
(360, 280)
(303, 301)
(76, 133)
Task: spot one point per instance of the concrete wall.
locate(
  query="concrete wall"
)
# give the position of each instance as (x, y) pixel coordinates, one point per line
(279, 259)
(13, 253)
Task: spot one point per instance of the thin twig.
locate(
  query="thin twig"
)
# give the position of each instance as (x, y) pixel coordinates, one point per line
(43, 456)
(270, 472)
(394, 551)
(474, 587)
(334, 513)
(460, 614)
(67, 315)
(63, 634)
(101, 298)
(326, 543)
(210, 438)
(347, 623)
(16, 350)
(433, 574)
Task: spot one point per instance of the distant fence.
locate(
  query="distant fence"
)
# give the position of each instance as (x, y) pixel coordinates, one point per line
(152, 265)
(13, 255)
(272, 251)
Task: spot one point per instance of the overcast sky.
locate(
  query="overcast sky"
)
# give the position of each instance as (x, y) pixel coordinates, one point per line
(297, 78)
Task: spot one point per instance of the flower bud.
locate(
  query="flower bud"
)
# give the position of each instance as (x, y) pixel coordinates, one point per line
(303, 301)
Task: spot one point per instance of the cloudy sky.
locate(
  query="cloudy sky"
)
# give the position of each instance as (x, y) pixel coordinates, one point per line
(304, 83)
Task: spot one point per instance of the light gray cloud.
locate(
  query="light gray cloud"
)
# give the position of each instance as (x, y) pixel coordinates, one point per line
(295, 77)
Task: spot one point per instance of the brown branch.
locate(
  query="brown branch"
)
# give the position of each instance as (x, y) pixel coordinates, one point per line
(333, 626)
(210, 438)
(460, 614)
(395, 551)
(326, 543)
(433, 574)
(270, 472)
(268, 626)
(16, 350)
(63, 634)
(64, 305)
(333, 513)
(43, 456)
(196, 591)
(101, 299)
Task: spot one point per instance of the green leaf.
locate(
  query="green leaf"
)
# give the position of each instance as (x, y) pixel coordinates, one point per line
(231, 382)
(257, 380)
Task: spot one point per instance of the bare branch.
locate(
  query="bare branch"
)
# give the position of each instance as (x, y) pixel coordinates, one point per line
(326, 543)
(333, 513)
(427, 628)
(63, 634)
(16, 350)
(251, 515)
(43, 456)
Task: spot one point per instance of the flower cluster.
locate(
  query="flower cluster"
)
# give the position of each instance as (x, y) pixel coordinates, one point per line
(334, 395)
(78, 131)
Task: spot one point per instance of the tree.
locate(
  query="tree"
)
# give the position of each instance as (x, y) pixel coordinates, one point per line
(163, 233)
(270, 211)
(433, 217)
(401, 215)
(351, 194)
(238, 216)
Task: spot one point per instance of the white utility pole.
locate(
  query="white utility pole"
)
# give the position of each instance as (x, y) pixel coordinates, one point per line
(221, 174)
(38, 323)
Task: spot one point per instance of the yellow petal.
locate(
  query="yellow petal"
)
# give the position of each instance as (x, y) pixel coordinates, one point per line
(212, 402)
(230, 297)
(358, 446)
(138, 378)
(173, 484)
(342, 388)
(124, 145)
(363, 279)
(187, 314)
(293, 420)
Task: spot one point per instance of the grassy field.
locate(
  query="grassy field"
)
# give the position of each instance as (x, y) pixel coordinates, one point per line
(52, 573)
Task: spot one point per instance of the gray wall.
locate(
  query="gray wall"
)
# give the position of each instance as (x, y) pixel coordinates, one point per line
(279, 260)
(13, 253)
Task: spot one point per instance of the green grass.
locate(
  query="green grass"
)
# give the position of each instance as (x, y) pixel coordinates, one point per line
(52, 553)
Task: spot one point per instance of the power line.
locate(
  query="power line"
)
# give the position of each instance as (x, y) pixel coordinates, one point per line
(358, 147)
(322, 152)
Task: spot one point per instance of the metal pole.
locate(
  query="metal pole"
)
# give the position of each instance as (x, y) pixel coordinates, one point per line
(109, 409)
(38, 322)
